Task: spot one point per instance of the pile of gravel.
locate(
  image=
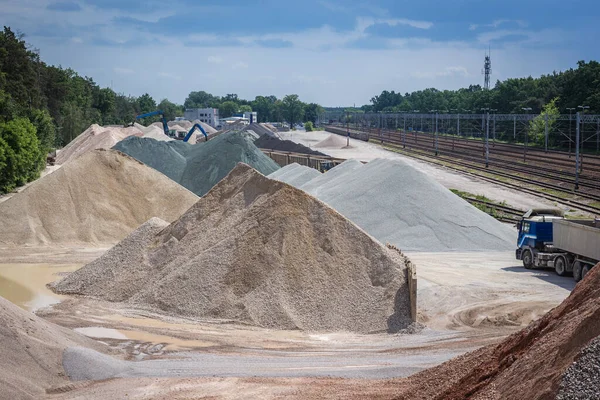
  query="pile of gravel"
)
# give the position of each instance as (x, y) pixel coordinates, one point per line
(260, 252)
(98, 198)
(198, 167)
(95, 137)
(273, 143)
(581, 380)
(295, 174)
(400, 205)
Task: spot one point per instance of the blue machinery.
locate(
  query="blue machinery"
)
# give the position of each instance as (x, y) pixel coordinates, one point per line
(166, 126)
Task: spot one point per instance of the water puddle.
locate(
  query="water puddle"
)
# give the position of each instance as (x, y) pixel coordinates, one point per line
(25, 284)
(172, 343)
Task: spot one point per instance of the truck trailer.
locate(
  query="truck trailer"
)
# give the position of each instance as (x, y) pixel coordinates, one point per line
(547, 239)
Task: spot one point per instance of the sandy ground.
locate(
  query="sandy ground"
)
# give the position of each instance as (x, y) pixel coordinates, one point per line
(466, 300)
(364, 151)
(48, 170)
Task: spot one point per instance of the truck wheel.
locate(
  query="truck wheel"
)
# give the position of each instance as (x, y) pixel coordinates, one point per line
(560, 266)
(586, 268)
(577, 271)
(527, 258)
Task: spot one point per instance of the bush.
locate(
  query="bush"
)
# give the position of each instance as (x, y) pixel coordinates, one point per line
(308, 126)
(21, 160)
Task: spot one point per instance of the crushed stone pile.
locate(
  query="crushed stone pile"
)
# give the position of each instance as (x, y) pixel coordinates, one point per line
(269, 127)
(333, 141)
(259, 129)
(184, 124)
(295, 174)
(31, 351)
(580, 381)
(154, 132)
(199, 167)
(274, 143)
(260, 252)
(98, 198)
(209, 129)
(95, 137)
(400, 205)
(529, 364)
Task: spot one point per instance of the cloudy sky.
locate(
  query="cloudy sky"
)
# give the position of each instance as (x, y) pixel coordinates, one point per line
(332, 52)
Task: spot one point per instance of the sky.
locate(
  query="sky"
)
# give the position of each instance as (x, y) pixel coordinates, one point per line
(332, 52)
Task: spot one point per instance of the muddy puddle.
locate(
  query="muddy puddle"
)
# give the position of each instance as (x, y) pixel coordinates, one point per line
(25, 284)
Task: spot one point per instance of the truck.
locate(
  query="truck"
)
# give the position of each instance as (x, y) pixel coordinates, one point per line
(569, 246)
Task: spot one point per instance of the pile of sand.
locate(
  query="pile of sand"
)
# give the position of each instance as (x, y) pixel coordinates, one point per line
(529, 364)
(209, 129)
(199, 167)
(31, 353)
(154, 132)
(95, 137)
(98, 198)
(398, 204)
(260, 252)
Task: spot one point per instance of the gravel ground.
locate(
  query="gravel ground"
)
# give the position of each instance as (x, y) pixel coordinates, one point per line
(581, 380)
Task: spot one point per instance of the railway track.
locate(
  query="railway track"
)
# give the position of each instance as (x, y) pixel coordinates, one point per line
(500, 212)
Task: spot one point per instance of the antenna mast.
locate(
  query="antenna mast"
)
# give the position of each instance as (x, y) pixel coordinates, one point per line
(487, 69)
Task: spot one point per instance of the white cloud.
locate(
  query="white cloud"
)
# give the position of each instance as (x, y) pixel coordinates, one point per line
(455, 71)
(497, 23)
(214, 59)
(169, 75)
(77, 40)
(363, 23)
(123, 71)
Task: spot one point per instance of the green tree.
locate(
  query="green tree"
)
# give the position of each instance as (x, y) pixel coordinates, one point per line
(245, 108)
(537, 127)
(105, 101)
(308, 126)
(227, 109)
(21, 156)
(44, 127)
(201, 99)
(171, 110)
(73, 122)
(263, 107)
(312, 112)
(293, 109)
(146, 103)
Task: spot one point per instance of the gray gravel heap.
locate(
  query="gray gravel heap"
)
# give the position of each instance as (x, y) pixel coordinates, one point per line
(255, 251)
(295, 174)
(400, 205)
(581, 380)
(198, 167)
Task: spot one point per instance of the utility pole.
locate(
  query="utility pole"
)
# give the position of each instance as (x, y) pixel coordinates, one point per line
(487, 141)
(582, 136)
(436, 134)
(577, 153)
(546, 133)
(404, 133)
(526, 137)
(484, 132)
(570, 126)
(494, 134)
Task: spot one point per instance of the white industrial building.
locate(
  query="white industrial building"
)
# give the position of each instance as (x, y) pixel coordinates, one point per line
(251, 116)
(207, 115)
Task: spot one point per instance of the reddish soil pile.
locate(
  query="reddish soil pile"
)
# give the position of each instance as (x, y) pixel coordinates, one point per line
(527, 365)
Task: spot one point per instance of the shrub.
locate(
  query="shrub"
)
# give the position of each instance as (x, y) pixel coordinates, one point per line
(21, 160)
(308, 126)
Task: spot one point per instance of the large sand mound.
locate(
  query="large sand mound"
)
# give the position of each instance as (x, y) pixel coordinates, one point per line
(255, 251)
(95, 137)
(31, 353)
(400, 205)
(528, 364)
(99, 198)
(201, 166)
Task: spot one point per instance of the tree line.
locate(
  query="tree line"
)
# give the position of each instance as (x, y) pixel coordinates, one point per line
(43, 107)
(568, 89)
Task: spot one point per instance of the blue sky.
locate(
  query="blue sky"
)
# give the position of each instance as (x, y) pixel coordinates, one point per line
(327, 51)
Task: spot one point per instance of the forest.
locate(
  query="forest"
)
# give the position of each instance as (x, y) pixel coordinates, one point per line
(571, 88)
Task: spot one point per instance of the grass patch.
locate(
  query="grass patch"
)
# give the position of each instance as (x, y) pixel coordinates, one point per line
(488, 209)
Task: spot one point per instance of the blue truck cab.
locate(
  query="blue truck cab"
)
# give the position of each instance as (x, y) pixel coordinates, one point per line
(535, 237)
